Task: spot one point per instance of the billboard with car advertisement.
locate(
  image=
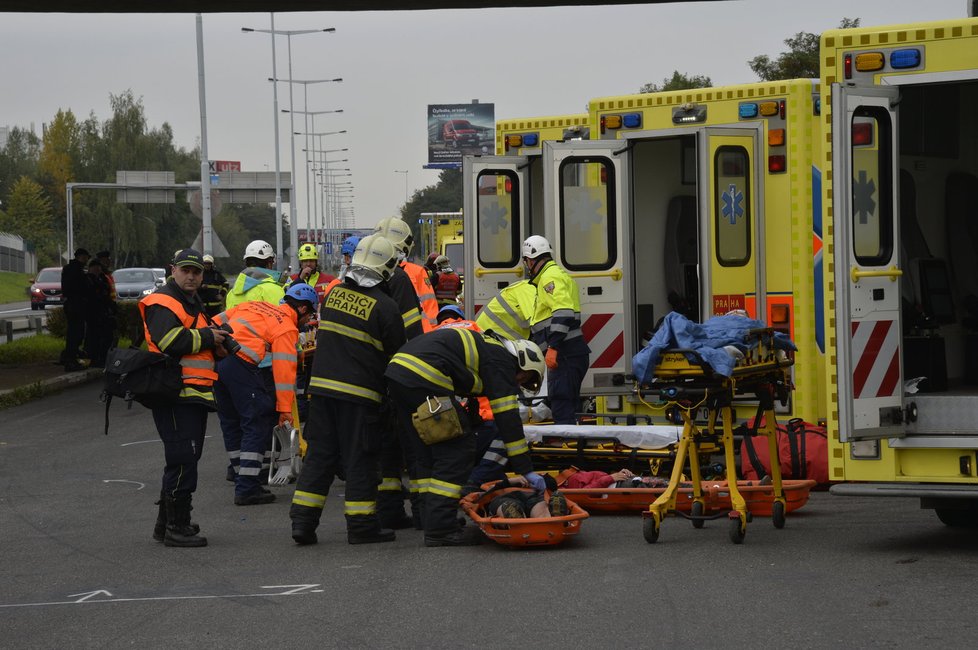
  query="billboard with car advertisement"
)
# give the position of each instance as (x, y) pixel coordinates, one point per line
(455, 130)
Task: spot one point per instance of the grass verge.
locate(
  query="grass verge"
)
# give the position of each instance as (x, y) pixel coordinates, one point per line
(13, 286)
(24, 394)
(31, 349)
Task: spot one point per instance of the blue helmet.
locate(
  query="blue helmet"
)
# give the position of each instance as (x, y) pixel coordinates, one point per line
(303, 293)
(450, 311)
(349, 245)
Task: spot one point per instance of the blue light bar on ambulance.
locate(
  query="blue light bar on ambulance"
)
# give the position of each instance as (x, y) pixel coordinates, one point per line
(902, 59)
(688, 114)
(531, 139)
(631, 120)
(747, 111)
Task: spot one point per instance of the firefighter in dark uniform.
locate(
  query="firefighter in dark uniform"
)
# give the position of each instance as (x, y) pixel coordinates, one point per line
(214, 288)
(361, 328)
(398, 450)
(175, 324)
(459, 361)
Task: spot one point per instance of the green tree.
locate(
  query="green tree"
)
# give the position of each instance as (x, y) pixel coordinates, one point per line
(18, 159)
(56, 166)
(28, 214)
(799, 62)
(444, 196)
(678, 81)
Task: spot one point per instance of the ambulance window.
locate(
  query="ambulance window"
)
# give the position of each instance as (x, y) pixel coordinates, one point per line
(732, 204)
(872, 183)
(498, 218)
(587, 219)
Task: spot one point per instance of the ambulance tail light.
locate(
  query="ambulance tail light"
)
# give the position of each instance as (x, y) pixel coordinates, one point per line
(611, 122)
(903, 59)
(776, 164)
(513, 141)
(775, 137)
(848, 66)
(781, 318)
(782, 109)
(870, 61)
(768, 108)
(508, 186)
(862, 133)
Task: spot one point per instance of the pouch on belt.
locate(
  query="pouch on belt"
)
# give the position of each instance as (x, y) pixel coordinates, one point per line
(436, 420)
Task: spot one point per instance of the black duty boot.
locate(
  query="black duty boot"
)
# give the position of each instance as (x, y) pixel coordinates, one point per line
(179, 531)
(468, 536)
(399, 521)
(304, 534)
(305, 520)
(159, 530)
(381, 535)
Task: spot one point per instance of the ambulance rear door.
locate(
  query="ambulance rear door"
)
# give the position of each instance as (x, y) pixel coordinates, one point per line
(730, 186)
(867, 262)
(585, 185)
(495, 218)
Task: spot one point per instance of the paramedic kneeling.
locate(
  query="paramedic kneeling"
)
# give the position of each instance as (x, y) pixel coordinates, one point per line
(556, 328)
(423, 379)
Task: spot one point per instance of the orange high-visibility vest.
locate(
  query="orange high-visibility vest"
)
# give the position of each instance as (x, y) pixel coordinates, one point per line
(198, 368)
(426, 294)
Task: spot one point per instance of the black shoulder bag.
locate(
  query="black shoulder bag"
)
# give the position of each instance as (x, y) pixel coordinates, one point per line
(151, 378)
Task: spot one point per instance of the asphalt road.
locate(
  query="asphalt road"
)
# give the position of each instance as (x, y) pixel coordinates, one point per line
(79, 569)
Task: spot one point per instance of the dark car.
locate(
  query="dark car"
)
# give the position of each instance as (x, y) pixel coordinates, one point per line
(134, 283)
(46, 288)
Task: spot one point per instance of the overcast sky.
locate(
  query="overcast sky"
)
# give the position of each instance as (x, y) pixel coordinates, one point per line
(528, 62)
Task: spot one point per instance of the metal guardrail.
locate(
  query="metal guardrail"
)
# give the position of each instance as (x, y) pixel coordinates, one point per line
(13, 324)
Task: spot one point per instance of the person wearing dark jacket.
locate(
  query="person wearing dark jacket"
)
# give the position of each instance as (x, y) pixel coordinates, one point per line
(446, 363)
(77, 294)
(360, 327)
(176, 325)
(214, 288)
(99, 315)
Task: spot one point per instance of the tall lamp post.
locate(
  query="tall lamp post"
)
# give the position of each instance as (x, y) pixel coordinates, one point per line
(312, 116)
(405, 172)
(293, 229)
(325, 164)
(309, 192)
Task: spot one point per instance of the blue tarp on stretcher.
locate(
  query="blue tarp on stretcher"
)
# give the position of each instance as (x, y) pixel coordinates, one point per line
(708, 339)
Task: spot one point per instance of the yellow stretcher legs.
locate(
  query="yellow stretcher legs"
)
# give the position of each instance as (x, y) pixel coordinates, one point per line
(690, 444)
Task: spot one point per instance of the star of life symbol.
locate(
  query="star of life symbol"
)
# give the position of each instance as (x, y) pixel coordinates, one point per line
(733, 204)
(494, 217)
(863, 204)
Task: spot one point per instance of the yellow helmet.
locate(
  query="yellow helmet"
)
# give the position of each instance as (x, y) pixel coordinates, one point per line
(396, 232)
(308, 252)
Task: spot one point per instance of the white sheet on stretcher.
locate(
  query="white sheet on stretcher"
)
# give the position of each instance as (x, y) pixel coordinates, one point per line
(652, 436)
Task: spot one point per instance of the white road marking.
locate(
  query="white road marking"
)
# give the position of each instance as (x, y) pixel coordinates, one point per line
(119, 480)
(86, 597)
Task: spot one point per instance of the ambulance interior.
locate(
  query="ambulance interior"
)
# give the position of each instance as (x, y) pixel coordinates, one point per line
(938, 192)
(664, 231)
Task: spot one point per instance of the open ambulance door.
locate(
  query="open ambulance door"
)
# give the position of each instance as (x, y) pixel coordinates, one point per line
(867, 262)
(495, 223)
(732, 255)
(585, 185)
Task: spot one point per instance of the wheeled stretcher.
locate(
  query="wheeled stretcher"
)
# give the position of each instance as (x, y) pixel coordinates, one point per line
(640, 448)
(681, 376)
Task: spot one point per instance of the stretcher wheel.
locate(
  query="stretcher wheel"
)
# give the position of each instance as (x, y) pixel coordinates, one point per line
(697, 511)
(738, 530)
(777, 514)
(650, 530)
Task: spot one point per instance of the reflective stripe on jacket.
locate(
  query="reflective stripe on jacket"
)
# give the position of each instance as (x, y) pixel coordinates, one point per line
(268, 332)
(172, 329)
(255, 284)
(556, 318)
(426, 295)
(508, 314)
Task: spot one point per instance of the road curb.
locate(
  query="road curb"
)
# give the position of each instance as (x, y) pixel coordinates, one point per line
(54, 384)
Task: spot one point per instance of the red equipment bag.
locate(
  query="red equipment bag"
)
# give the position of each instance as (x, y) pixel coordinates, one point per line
(803, 452)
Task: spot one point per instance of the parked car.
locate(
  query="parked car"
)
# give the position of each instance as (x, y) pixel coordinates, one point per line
(134, 283)
(45, 289)
(160, 276)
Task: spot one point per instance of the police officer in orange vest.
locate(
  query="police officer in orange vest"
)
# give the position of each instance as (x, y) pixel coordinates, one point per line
(256, 385)
(175, 323)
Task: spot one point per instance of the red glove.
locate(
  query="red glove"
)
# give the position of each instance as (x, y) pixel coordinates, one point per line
(283, 418)
(551, 358)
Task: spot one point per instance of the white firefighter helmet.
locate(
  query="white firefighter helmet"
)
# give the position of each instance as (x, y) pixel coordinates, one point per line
(259, 249)
(535, 246)
(530, 358)
(397, 232)
(376, 253)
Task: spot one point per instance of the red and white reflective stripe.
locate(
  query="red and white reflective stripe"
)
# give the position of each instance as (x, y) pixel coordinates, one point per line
(605, 335)
(876, 358)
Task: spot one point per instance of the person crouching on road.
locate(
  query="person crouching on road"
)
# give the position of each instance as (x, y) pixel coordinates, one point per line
(253, 395)
(175, 324)
(360, 328)
(458, 361)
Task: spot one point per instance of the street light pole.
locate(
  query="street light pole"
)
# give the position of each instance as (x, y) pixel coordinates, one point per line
(405, 172)
(313, 114)
(294, 227)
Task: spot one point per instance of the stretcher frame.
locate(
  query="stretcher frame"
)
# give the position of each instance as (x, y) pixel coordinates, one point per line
(517, 533)
(683, 377)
